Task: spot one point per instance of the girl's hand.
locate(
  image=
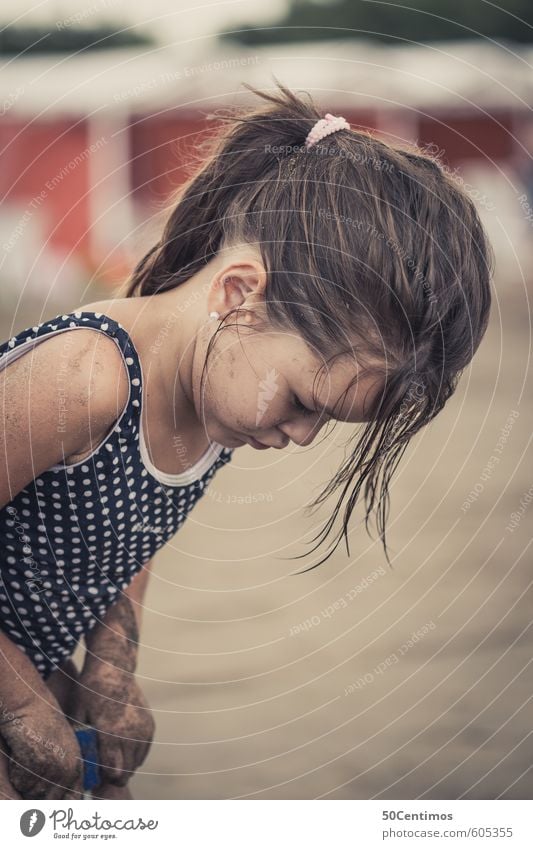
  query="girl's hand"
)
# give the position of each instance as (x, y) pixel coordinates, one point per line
(110, 700)
(41, 752)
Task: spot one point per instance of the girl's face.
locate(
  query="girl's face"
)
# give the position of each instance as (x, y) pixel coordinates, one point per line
(258, 390)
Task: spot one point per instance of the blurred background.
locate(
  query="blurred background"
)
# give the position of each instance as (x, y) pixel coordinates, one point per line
(352, 680)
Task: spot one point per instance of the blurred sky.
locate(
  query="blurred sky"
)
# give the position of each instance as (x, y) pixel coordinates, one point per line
(171, 21)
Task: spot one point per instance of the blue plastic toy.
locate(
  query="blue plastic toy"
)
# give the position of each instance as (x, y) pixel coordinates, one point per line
(88, 741)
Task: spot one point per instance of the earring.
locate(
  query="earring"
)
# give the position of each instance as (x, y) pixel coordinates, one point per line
(214, 315)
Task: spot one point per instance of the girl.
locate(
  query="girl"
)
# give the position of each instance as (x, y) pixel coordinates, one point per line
(307, 273)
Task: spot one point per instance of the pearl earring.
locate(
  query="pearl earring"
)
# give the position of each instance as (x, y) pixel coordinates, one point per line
(214, 315)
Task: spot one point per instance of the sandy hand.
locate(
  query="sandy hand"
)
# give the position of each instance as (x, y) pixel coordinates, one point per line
(111, 701)
(43, 755)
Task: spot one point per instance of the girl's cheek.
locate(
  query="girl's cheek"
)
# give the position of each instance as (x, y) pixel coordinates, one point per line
(234, 410)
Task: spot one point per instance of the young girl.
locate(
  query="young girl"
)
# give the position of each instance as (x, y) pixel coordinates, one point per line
(307, 273)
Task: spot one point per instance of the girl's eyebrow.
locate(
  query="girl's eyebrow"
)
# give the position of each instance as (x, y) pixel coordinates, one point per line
(334, 414)
(323, 409)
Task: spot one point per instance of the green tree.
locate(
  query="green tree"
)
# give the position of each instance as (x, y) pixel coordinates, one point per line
(64, 36)
(394, 21)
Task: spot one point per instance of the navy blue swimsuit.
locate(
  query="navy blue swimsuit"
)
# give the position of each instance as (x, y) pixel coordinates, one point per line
(74, 537)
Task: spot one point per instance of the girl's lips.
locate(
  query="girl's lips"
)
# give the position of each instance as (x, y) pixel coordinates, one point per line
(255, 444)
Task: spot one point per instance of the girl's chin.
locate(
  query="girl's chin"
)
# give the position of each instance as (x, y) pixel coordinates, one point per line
(258, 445)
(235, 440)
(230, 440)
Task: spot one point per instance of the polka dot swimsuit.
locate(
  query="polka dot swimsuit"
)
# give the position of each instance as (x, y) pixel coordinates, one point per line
(75, 536)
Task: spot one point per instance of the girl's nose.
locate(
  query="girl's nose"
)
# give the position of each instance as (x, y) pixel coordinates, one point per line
(302, 431)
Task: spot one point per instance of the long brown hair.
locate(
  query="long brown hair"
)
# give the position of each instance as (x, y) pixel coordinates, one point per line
(361, 240)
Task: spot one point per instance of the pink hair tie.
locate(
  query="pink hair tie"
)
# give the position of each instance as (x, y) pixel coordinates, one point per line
(328, 124)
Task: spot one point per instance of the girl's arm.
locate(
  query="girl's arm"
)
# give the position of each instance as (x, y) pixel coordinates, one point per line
(34, 733)
(108, 696)
(115, 641)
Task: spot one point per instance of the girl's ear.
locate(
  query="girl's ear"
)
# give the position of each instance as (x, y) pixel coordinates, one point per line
(237, 284)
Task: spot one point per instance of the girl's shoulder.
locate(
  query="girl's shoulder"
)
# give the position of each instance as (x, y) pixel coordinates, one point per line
(59, 389)
(76, 360)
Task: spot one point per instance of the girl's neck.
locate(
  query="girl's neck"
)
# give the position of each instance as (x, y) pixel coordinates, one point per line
(163, 331)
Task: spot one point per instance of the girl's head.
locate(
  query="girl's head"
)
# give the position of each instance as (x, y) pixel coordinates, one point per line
(365, 285)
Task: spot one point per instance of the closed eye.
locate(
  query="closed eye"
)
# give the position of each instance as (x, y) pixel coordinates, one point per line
(299, 406)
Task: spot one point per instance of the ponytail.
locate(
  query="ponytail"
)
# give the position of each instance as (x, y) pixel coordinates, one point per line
(235, 162)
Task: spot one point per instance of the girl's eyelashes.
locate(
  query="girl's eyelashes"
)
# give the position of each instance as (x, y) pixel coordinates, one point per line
(299, 406)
